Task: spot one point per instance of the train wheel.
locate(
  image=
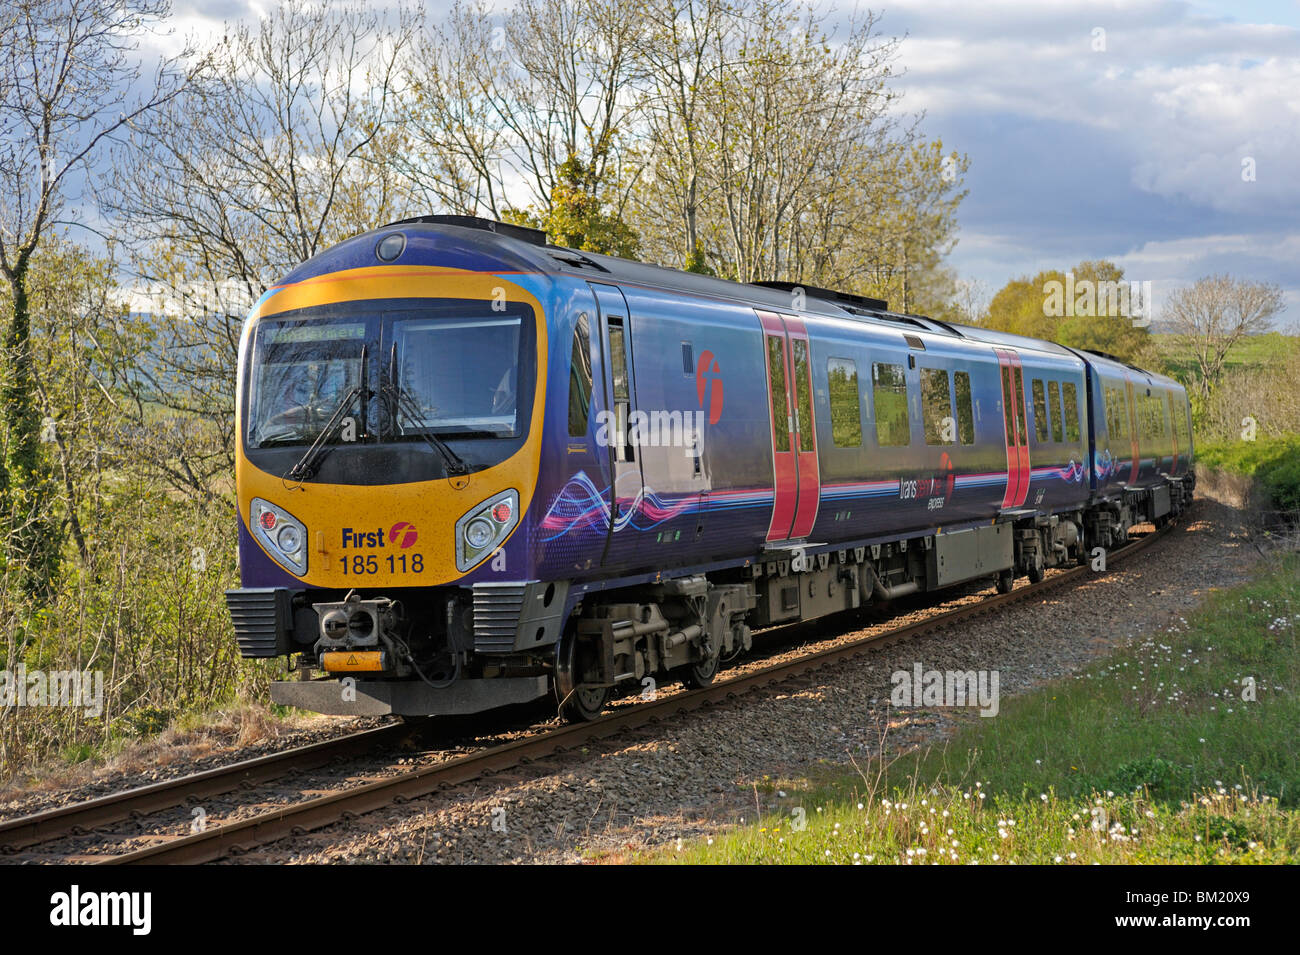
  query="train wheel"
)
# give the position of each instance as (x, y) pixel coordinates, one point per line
(698, 675)
(1035, 569)
(578, 703)
(1006, 580)
(585, 704)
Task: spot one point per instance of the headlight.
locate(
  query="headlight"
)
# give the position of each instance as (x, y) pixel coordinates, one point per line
(482, 530)
(282, 535)
(478, 533)
(290, 539)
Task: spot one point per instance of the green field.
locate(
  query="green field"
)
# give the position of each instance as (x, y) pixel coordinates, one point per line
(1182, 748)
(1251, 352)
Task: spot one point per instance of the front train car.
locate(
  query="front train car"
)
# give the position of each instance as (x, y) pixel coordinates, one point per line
(389, 410)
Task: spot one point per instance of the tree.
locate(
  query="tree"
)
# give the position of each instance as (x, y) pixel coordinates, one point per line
(772, 151)
(913, 227)
(792, 123)
(1215, 313)
(971, 301)
(1090, 307)
(578, 216)
(275, 152)
(85, 349)
(496, 104)
(64, 66)
(679, 62)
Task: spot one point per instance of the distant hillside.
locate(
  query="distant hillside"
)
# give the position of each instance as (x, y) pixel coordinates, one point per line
(1255, 351)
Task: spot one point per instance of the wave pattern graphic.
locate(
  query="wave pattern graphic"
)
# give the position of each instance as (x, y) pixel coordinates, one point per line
(580, 504)
(1103, 465)
(1071, 473)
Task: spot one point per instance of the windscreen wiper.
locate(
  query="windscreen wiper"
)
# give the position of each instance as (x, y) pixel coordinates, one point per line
(402, 401)
(308, 463)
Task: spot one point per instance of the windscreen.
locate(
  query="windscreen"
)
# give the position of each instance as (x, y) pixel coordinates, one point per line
(302, 371)
(447, 370)
(462, 375)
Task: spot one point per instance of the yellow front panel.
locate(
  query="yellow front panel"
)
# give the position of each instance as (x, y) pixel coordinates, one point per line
(356, 535)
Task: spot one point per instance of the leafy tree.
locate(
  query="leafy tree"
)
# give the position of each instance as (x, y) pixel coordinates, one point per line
(64, 67)
(86, 349)
(908, 237)
(1091, 307)
(578, 216)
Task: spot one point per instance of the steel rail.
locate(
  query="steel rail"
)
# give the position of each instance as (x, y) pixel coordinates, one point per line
(83, 817)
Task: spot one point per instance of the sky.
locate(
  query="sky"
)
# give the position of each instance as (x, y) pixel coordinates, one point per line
(1163, 135)
(1115, 130)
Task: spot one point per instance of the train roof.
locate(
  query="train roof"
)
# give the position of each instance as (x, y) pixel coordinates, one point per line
(776, 295)
(504, 246)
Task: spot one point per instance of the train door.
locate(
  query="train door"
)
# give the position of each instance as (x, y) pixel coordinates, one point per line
(796, 477)
(1167, 410)
(1014, 427)
(626, 485)
(1130, 394)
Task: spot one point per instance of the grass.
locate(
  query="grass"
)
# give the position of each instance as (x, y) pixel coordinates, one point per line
(1179, 749)
(1253, 351)
(191, 735)
(1273, 462)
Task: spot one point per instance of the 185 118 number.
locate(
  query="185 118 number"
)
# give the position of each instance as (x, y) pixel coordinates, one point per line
(359, 565)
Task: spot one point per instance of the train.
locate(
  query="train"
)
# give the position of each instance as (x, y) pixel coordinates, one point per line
(474, 469)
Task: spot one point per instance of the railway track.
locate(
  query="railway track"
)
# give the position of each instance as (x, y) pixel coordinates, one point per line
(77, 818)
(219, 841)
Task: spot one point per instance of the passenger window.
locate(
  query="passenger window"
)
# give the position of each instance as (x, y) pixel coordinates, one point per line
(936, 406)
(889, 396)
(1071, 412)
(1040, 411)
(580, 378)
(1008, 406)
(1020, 409)
(802, 396)
(965, 418)
(780, 404)
(623, 449)
(1116, 413)
(846, 406)
(1054, 401)
(618, 361)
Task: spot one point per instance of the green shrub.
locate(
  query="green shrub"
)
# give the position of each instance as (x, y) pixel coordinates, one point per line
(1273, 462)
(146, 609)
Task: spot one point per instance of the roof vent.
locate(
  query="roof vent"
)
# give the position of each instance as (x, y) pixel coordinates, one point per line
(506, 229)
(812, 291)
(576, 259)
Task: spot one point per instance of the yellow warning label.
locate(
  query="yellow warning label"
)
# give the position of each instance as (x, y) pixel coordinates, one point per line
(362, 661)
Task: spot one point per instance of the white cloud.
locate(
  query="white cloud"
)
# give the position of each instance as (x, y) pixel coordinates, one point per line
(1184, 97)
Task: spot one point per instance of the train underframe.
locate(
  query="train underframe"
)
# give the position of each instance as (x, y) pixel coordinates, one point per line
(451, 651)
